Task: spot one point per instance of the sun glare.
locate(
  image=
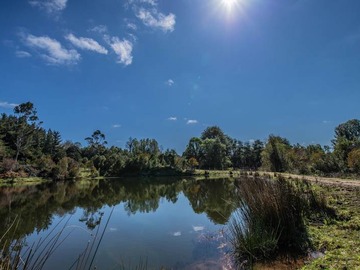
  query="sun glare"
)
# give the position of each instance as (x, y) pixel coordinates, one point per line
(229, 4)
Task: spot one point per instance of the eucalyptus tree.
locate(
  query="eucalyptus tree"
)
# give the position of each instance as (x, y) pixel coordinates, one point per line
(26, 123)
(97, 139)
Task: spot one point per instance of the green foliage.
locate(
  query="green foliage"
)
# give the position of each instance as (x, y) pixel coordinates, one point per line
(216, 150)
(347, 138)
(193, 163)
(97, 139)
(354, 160)
(214, 154)
(45, 165)
(214, 132)
(275, 155)
(40, 152)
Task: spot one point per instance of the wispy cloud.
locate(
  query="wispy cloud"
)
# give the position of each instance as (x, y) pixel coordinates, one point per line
(169, 82)
(156, 19)
(150, 2)
(191, 122)
(326, 122)
(123, 49)
(22, 54)
(131, 26)
(7, 105)
(52, 50)
(86, 44)
(116, 126)
(50, 6)
(101, 29)
(172, 118)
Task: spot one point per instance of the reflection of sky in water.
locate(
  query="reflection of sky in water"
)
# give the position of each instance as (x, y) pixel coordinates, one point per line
(172, 236)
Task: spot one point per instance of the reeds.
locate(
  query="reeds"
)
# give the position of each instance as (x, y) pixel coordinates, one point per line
(16, 254)
(271, 218)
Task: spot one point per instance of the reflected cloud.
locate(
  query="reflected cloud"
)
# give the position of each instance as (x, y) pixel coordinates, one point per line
(198, 228)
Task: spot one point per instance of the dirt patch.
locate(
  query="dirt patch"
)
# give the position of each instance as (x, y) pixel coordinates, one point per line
(318, 179)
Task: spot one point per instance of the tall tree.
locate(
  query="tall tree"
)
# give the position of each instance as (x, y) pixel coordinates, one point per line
(97, 139)
(193, 149)
(215, 156)
(347, 138)
(213, 132)
(257, 148)
(25, 125)
(275, 154)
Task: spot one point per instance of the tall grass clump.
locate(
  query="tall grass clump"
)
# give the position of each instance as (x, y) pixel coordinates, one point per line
(271, 218)
(15, 253)
(18, 254)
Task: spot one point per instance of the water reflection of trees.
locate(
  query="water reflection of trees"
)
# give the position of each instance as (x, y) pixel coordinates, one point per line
(214, 197)
(35, 206)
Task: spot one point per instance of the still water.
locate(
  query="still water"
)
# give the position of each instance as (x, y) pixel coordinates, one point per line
(123, 223)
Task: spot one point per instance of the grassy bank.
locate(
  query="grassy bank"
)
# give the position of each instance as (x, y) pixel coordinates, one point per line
(338, 240)
(332, 241)
(21, 181)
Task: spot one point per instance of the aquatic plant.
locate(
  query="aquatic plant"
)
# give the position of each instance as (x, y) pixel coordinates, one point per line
(17, 254)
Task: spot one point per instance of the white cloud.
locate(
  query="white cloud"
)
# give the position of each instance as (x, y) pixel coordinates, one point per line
(131, 26)
(150, 2)
(52, 50)
(198, 228)
(86, 44)
(135, 2)
(133, 37)
(22, 54)
(7, 105)
(116, 126)
(169, 82)
(50, 6)
(155, 19)
(172, 118)
(192, 122)
(123, 49)
(101, 29)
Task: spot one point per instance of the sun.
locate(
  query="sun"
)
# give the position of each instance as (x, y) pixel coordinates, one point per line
(229, 4)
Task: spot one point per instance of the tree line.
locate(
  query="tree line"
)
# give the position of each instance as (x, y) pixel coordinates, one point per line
(27, 149)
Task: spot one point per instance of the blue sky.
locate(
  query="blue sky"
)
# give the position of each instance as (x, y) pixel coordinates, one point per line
(167, 69)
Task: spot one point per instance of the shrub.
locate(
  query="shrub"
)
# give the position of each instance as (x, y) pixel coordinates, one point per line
(8, 164)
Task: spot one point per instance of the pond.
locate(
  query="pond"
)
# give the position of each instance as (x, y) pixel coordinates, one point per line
(125, 223)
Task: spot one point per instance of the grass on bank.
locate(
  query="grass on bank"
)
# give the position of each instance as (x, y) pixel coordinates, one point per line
(22, 181)
(271, 218)
(338, 239)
